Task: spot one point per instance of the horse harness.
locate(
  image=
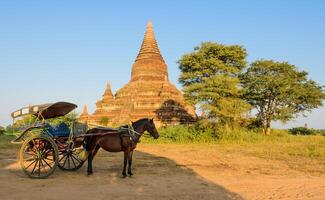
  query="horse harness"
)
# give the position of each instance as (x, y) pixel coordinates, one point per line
(131, 133)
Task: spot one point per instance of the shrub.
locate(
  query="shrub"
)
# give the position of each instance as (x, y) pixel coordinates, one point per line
(321, 132)
(302, 131)
(68, 119)
(2, 130)
(185, 133)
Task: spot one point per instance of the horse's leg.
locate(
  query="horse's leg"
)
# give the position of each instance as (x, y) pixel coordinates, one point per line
(90, 164)
(95, 151)
(130, 163)
(89, 147)
(92, 149)
(91, 157)
(126, 155)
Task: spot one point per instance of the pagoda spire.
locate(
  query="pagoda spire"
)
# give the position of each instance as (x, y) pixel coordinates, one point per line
(149, 47)
(108, 95)
(108, 91)
(84, 110)
(84, 116)
(149, 64)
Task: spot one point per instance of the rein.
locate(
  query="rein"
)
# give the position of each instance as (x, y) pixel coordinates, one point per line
(133, 134)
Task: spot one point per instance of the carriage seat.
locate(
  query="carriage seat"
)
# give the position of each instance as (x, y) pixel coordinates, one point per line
(79, 128)
(60, 130)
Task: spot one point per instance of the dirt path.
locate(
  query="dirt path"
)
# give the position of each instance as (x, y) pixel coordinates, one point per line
(166, 172)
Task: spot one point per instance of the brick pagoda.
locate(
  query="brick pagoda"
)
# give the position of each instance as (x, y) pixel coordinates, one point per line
(149, 93)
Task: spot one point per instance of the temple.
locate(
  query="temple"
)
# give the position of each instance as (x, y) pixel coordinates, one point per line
(149, 93)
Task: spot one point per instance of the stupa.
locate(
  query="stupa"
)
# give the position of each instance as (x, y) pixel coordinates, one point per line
(149, 93)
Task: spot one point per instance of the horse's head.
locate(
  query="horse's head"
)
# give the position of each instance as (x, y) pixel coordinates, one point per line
(151, 128)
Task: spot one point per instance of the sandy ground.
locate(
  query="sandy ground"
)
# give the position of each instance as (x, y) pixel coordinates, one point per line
(166, 172)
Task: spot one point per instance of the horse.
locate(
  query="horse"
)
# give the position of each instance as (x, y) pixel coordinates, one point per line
(125, 139)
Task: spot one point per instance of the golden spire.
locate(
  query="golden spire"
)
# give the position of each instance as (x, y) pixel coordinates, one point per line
(149, 64)
(149, 48)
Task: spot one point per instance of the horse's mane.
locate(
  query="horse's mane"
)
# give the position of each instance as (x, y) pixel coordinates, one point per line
(136, 123)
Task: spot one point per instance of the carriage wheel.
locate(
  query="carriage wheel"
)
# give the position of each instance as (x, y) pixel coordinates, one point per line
(39, 156)
(69, 158)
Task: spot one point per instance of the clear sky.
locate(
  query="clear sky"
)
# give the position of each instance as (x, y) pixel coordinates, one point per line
(67, 50)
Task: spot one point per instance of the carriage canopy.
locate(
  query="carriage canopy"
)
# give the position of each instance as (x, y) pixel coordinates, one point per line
(45, 111)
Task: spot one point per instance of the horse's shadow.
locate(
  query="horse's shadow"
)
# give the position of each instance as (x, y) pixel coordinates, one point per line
(154, 177)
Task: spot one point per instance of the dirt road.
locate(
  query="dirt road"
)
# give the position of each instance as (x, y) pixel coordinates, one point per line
(166, 172)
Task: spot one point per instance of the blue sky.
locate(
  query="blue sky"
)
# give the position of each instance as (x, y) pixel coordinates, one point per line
(67, 50)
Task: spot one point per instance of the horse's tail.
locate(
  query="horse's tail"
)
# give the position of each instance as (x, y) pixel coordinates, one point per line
(86, 144)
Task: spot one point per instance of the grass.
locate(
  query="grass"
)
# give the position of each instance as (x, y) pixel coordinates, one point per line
(5, 141)
(304, 153)
(278, 145)
(298, 151)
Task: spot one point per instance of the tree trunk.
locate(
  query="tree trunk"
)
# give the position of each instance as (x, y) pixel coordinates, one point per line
(268, 131)
(267, 128)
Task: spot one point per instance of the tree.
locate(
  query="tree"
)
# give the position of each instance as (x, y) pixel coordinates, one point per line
(9, 129)
(210, 79)
(279, 91)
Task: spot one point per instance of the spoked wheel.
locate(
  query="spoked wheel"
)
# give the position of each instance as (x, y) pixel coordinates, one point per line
(39, 156)
(69, 158)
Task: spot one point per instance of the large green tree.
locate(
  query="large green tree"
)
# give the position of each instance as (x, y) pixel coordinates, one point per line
(210, 80)
(279, 91)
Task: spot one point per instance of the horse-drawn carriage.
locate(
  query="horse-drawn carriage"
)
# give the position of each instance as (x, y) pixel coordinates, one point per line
(44, 146)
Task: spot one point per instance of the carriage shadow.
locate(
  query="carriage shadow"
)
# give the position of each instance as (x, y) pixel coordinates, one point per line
(155, 178)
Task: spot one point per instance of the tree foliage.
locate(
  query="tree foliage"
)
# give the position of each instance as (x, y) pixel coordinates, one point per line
(210, 79)
(68, 119)
(29, 120)
(279, 91)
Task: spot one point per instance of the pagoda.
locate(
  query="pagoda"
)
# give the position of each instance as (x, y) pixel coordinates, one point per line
(149, 93)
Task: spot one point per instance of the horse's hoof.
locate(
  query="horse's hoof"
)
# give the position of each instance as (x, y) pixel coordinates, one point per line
(130, 174)
(124, 175)
(89, 173)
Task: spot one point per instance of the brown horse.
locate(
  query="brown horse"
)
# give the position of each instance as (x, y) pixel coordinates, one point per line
(123, 139)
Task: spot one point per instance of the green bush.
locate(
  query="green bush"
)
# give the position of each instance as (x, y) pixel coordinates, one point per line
(302, 131)
(187, 133)
(68, 119)
(203, 132)
(2, 130)
(321, 132)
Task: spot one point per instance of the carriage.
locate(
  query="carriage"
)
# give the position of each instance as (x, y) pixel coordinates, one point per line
(44, 146)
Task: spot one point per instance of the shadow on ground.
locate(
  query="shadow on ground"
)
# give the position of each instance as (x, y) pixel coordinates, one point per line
(155, 178)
